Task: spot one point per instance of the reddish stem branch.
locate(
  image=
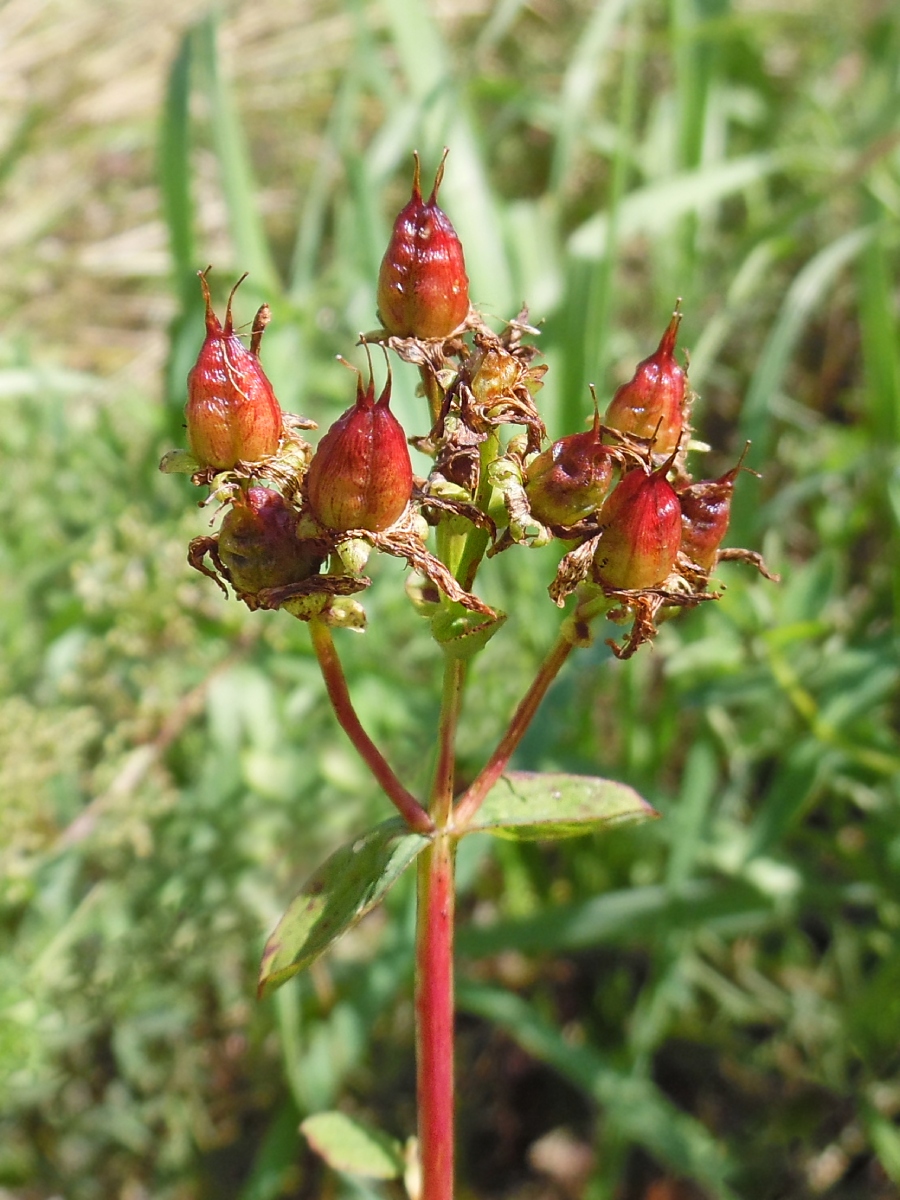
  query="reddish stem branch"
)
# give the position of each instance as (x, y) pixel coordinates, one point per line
(472, 799)
(332, 672)
(434, 1017)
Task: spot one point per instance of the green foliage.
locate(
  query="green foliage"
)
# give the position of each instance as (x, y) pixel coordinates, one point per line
(718, 988)
(349, 1145)
(337, 895)
(528, 806)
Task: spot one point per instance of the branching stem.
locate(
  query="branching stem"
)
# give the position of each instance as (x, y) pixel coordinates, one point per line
(472, 799)
(338, 693)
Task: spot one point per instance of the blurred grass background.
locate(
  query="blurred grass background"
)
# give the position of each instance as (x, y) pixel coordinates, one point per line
(707, 1008)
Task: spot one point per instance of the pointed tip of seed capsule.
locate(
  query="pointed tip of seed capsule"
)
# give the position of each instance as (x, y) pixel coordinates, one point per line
(229, 322)
(596, 427)
(212, 321)
(213, 325)
(438, 177)
(417, 179)
(670, 336)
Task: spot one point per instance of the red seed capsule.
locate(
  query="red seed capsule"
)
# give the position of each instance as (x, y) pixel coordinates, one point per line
(423, 290)
(569, 481)
(258, 543)
(651, 404)
(232, 414)
(641, 523)
(360, 476)
(705, 513)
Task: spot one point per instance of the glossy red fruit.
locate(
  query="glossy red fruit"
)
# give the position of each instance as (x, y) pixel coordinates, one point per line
(705, 513)
(258, 543)
(423, 290)
(360, 476)
(232, 414)
(569, 480)
(651, 404)
(641, 524)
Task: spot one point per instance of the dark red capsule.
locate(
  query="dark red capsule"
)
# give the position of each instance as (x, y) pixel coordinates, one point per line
(423, 290)
(569, 480)
(705, 513)
(651, 404)
(360, 476)
(259, 546)
(641, 531)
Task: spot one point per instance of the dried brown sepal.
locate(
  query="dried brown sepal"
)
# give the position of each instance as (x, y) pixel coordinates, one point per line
(436, 356)
(431, 499)
(406, 543)
(198, 549)
(325, 585)
(642, 608)
(573, 569)
(260, 321)
(458, 455)
(736, 554)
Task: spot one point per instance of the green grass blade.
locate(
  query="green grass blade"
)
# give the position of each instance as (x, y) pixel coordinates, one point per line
(805, 294)
(236, 170)
(175, 165)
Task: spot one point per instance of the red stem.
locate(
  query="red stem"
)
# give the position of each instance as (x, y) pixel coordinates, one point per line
(434, 1017)
(338, 693)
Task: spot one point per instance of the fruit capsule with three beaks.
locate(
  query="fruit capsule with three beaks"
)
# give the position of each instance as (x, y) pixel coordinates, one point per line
(569, 480)
(360, 476)
(423, 290)
(705, 513)
(258, 543)
(232, 414)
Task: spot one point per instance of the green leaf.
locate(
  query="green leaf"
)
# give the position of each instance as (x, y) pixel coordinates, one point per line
(335, 897)
(526, 806)
(350, 1145)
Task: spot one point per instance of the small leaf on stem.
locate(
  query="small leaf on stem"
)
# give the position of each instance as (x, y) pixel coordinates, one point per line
(344, 888)
(528, 806)
(347, 1144)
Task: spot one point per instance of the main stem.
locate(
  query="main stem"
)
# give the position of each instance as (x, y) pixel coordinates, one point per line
(434, 960)
(434, 1017)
